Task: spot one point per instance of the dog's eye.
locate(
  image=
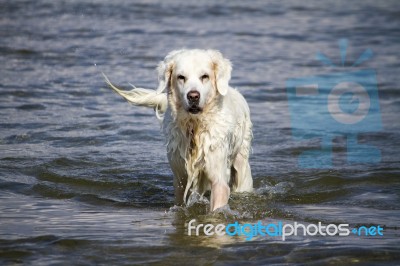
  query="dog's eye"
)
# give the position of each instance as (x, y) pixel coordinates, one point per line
(204, 77)
(180, 77)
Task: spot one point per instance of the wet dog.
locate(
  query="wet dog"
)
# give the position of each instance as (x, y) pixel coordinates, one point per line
(206, 123)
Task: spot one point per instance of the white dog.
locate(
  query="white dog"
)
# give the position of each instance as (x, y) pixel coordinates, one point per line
(206, 123)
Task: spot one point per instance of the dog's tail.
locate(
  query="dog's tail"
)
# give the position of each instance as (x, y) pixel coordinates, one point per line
(143, 97)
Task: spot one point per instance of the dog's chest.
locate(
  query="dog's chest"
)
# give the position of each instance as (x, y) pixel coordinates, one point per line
(193, 141)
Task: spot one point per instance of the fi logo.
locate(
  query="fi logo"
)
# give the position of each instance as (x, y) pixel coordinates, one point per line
(342, 103)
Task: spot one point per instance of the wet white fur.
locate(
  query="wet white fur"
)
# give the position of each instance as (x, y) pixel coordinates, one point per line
(202, 148)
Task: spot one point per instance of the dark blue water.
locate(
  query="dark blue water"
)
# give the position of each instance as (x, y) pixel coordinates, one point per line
(84, 178)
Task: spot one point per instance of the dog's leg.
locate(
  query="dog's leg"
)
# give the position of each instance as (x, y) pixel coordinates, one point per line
(243, 181)
(180, 177)
(179, 190)
(215, 169)
(219, 195)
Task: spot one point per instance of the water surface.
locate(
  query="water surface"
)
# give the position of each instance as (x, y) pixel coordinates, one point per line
(84, 176)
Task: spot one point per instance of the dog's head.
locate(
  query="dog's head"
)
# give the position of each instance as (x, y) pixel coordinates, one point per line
(194, 78)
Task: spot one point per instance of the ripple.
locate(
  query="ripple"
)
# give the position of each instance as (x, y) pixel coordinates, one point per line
(31, 107)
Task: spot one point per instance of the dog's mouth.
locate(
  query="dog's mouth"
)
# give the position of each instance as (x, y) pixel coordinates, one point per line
(194, 109)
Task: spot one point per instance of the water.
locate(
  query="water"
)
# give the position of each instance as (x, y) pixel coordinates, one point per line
(84, 176)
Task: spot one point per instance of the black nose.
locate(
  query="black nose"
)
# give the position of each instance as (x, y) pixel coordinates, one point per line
(193, 97)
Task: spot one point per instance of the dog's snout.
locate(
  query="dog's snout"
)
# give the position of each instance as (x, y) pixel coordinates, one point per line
(193, 96)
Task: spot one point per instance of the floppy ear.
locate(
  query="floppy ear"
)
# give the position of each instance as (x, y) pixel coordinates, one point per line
(222, 68)
(164, 70)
